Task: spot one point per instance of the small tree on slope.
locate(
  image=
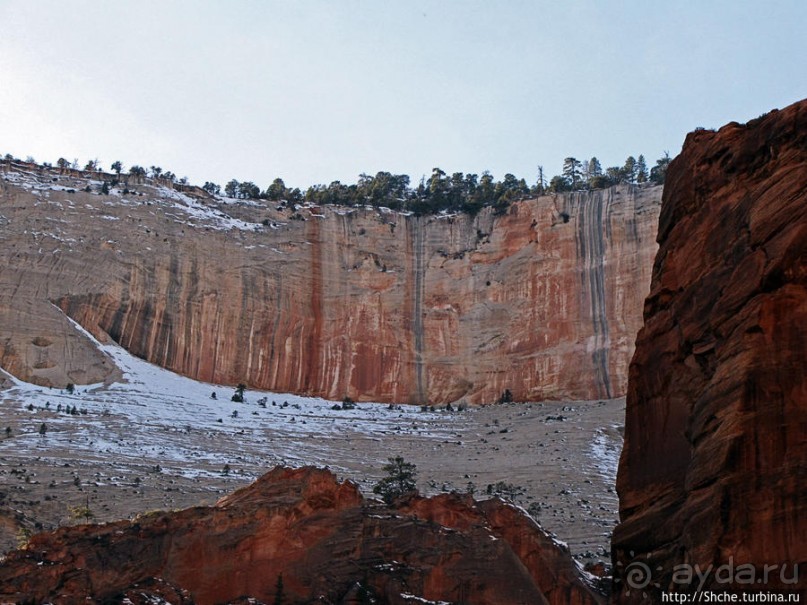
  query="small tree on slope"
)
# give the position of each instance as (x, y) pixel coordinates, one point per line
(400, 480)
(238, 396)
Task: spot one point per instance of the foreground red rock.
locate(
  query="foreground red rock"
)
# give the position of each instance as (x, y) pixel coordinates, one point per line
(713, 469)
(330, 301)
(329, 544)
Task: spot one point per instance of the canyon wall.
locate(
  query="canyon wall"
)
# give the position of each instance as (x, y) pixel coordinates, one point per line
(327, 542)
(712, 472)
(544, 300)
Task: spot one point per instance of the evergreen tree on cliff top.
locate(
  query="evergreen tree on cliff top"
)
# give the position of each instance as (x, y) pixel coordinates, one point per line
(658, 173)
(572, 172)
(641, 169)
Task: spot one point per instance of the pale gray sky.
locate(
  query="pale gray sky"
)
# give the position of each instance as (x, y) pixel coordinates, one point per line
(319, 90)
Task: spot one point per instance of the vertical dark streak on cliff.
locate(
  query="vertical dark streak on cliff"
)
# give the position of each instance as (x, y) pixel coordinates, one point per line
(115, 329)
(417, 308)
(193, 302)
(312, 356)
(217, 340)
(138, 313)
(242, 354)
(632, 222)
(172, 302)
(345, 384)
(275, 324)
(591, 250)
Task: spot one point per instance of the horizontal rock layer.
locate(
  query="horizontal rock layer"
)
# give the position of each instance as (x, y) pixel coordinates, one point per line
(544, 300)
(327, 543)
(712, 471)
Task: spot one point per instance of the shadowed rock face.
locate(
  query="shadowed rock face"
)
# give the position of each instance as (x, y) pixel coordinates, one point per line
(329, 544)
(544, 300)
(712, 470)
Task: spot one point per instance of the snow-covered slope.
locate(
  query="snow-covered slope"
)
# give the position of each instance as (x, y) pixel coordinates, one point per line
(157, 416)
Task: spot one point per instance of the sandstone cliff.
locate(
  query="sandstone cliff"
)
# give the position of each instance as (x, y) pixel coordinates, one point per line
(329, 544)
(712, 471)
(544, 300)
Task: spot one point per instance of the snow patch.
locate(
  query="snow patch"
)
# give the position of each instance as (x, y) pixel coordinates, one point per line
(154, 416)
(417, 599)
(605, 451)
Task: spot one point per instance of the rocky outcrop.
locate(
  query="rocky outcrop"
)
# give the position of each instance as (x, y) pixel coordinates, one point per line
(325, 541)
(547, 562)
(712, 472)
(543, 300)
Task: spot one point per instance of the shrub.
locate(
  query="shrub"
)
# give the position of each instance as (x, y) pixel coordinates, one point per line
(78, 513)
(238, 396)
(507, 491)
(23, 536)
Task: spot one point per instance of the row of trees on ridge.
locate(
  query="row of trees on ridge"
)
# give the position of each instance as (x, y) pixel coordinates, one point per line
(458, 192)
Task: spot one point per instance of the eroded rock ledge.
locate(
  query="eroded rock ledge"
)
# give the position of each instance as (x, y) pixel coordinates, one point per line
(328, 542)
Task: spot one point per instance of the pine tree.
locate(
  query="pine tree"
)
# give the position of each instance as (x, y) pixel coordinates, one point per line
(571, 172)
(596, 178)
(641, 170)
(277, 190)
(231, 188)
(211, 188)
(540, 185)
(248, 190)
(594, 167)
(558, 184)
(658, 173)
(400, 480)
(629, 170)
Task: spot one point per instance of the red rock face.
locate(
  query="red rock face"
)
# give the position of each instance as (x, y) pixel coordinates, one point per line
(544, 300)
(328, 543)
(547, 562)
(712, 472)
